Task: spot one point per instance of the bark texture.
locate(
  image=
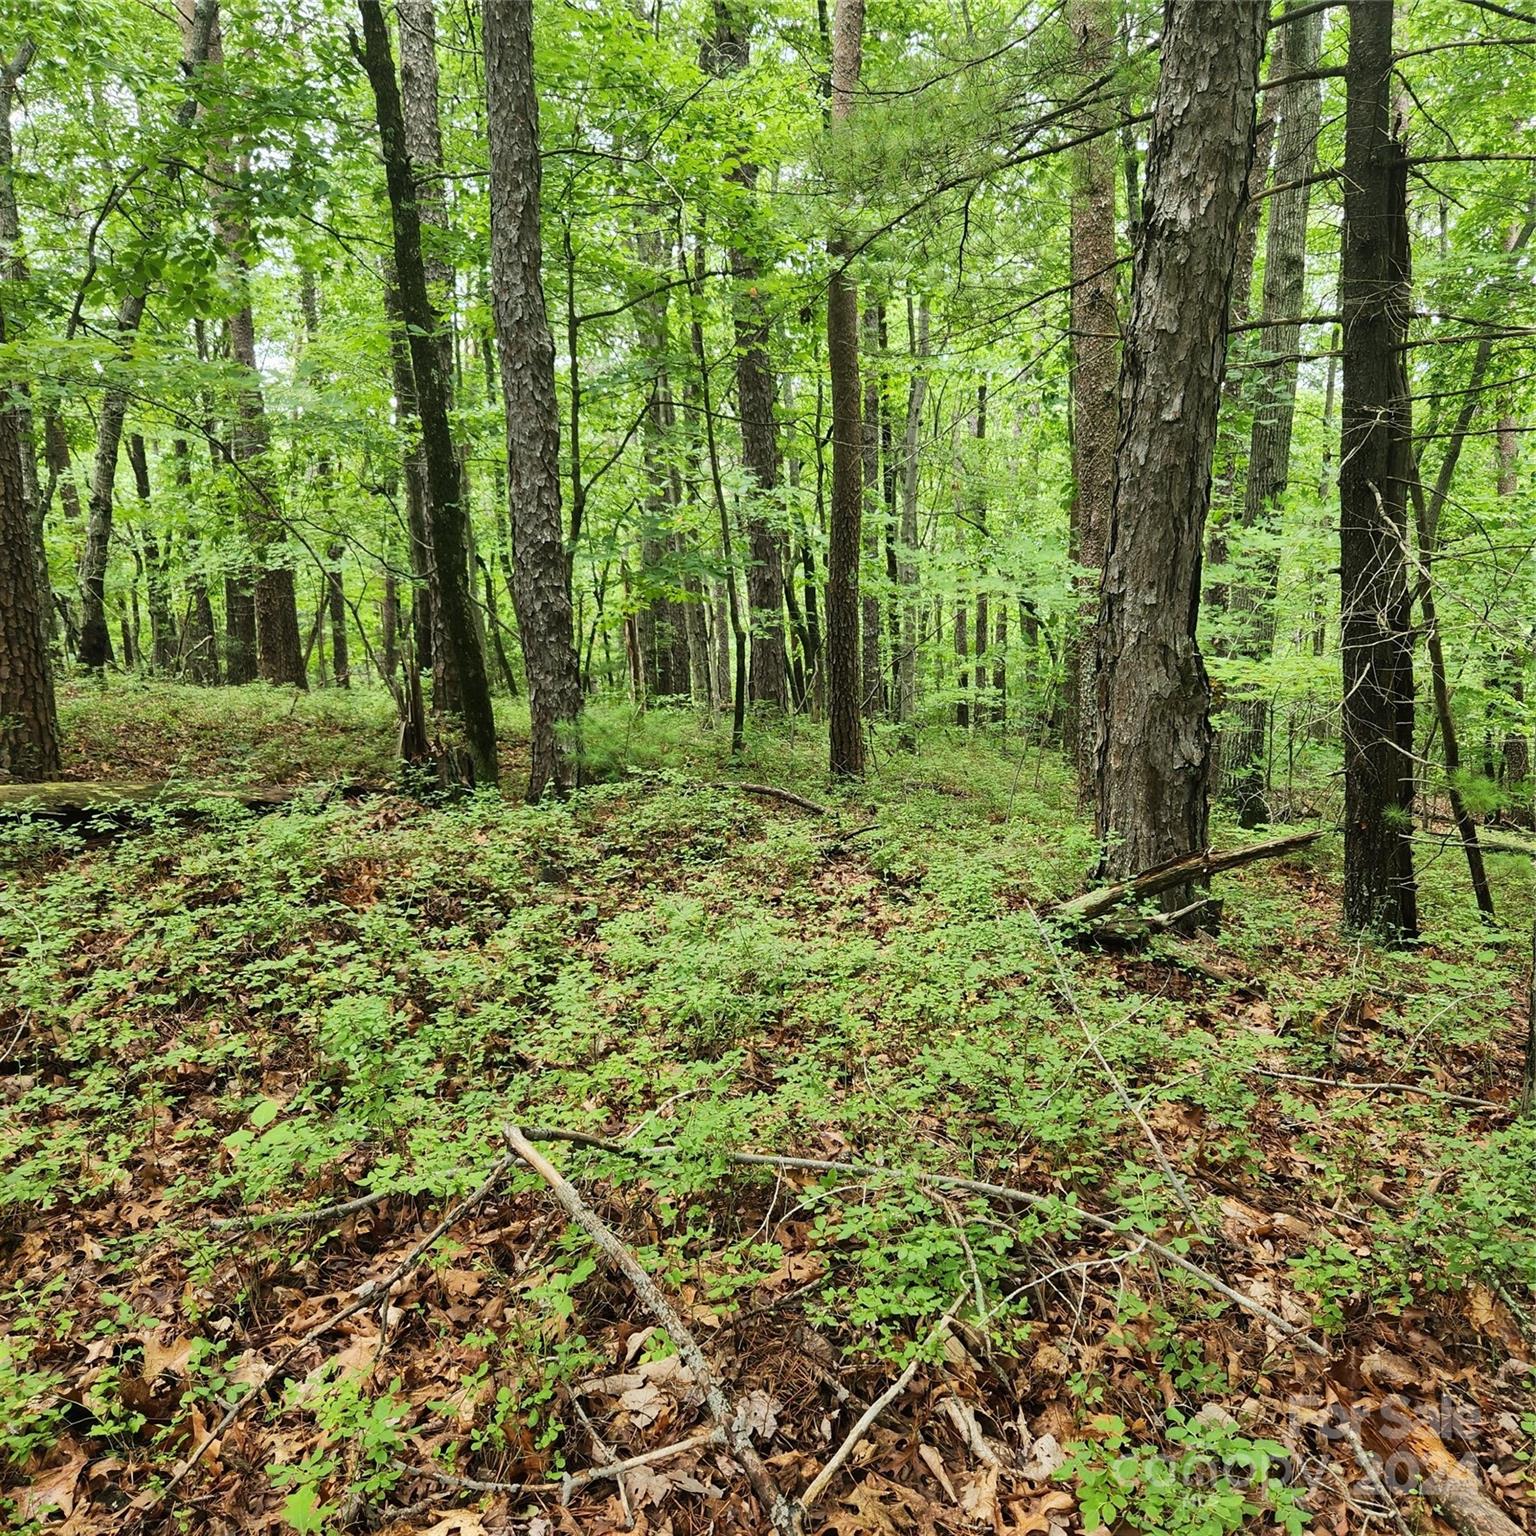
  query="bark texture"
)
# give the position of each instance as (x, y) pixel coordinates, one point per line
(847, 503)
(445, 503)
(29, 722)
(540, 560)
(1154, 737)
(1375, 464)
(1095, 368)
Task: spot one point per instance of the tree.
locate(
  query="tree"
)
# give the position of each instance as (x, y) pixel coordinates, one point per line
(728, 52)
(1375, 463)
(444, 483)
(541, 562)
(844, 683)
(1269, 455)
(95, 638)
(29, 722)
(1154, 736)
(1095, 359)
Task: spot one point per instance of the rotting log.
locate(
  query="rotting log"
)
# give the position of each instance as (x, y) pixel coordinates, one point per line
(66, 800)
(1184, 870)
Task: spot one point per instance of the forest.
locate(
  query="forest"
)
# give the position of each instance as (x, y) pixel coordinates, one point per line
(765, 766)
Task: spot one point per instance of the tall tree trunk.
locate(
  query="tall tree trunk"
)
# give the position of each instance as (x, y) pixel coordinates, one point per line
(1375, 462)
(727, 52)
(906, 567)
(846, 755)
(29, 722)
(95, 640)
(871, 674)
(13, 266)
(198, 656)
(1095, 372)
(540, 559)
(983, 709)
(1269, 455)
(446, 512)
(1154, 736)
(417, 24)
(162, 626)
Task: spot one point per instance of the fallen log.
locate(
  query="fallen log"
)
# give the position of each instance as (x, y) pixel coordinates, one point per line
(1183, 870)
(71, 801)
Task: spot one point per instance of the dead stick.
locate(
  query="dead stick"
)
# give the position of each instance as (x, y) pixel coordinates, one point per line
(365, 1296)
(781, 1514)
(817, 1486)
(772, 792)
(1336, 1082)
(1014, 1197)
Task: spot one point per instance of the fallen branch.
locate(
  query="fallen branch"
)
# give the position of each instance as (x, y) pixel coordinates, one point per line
(781, 1514)
(1180, 871)
(772, 792)
(1129, 929)
(1002, 1192)
(1335, 1082)
(365, 1296)
(818, 1484)
(259, 1221)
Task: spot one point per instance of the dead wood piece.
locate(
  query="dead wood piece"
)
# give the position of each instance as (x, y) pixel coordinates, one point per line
(782, 1515)
(1179, 871)
(68, 800)
(1453, 1487)
(773, 792)
(1336, 1082)
(1132, 929)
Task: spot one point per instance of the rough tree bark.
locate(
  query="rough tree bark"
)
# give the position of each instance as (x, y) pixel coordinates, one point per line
(846, 753)
(1153, 745)
(727, 52)
(1299, 112)
(1375, 463)
(446, 512)
(871, 674)
(540, 559)
(1095, 322)
(29, 722)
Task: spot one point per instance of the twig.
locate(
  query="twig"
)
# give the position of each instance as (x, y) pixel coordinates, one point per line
(617, 1469)
(817, 1486)
(604, 1450)
(1335, 1082)
(260, 1220)
(364, 1297)
(781, 1514)
(772, 792)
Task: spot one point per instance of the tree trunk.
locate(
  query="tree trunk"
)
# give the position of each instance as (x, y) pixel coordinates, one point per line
(727, 52)
(871, 674)
(162, 626)
(906, 568)
(540, 559)
(446, 512)
(1285, 263)
(846, 755)
(1095, 370)
(29, 722)
(1517, 741)
(417, 24)
(1375, 462)
(1154, 737)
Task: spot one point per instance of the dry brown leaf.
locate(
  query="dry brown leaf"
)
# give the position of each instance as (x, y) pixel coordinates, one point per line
(51, 1489)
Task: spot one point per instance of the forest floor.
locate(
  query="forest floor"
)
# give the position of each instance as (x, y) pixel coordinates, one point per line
(210, 1024)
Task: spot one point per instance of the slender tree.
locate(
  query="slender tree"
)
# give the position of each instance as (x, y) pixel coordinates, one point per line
(847, 506)
(540, 559)
(1095, 364)
(446, 512)
(1154, 736)
(95, 637)
(1299, 113)
(1375, 464)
